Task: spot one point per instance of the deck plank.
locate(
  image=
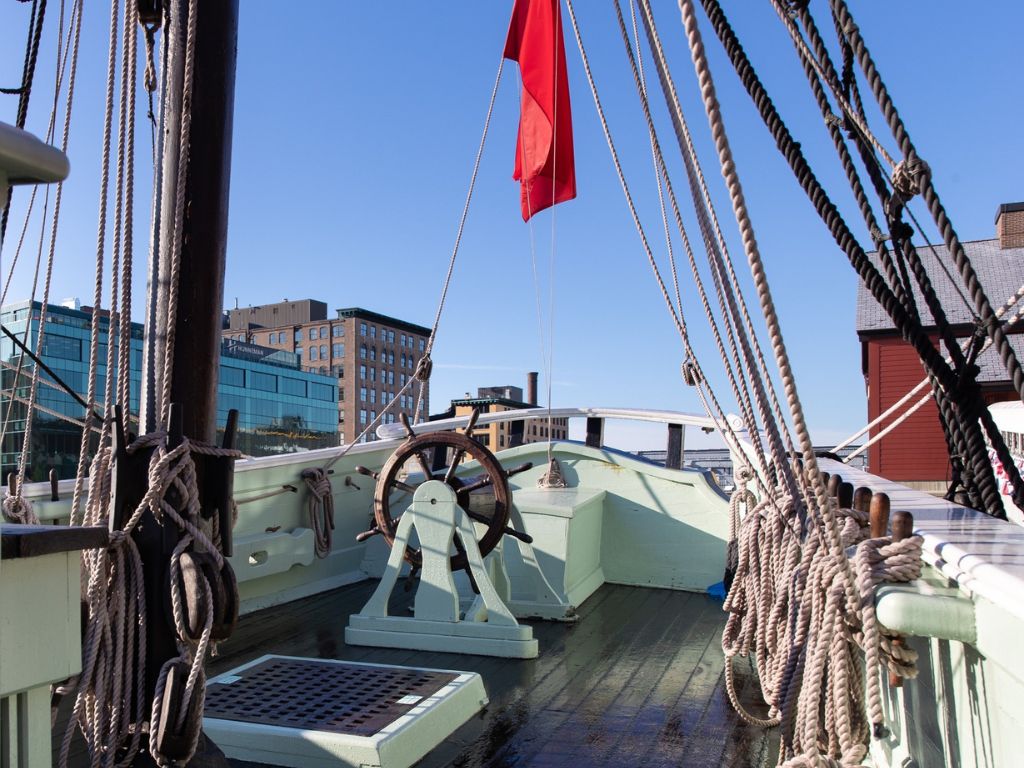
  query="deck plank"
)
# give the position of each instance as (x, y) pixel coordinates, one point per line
(636, 681)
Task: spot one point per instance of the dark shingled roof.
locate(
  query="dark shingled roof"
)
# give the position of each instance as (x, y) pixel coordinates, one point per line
(1001, 272)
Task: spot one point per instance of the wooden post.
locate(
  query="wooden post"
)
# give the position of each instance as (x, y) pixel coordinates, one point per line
(879, 515)
(862, 499)
(845, 495)
(674, 452)
(595, 432)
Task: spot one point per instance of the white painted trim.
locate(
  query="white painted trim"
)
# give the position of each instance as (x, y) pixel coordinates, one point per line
(391, 431)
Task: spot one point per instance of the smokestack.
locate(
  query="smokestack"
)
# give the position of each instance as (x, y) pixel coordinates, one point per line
(531, 387)
(1010, 225)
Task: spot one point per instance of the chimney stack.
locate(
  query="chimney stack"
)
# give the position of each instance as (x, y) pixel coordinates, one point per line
(531, 383)
(1010, 225)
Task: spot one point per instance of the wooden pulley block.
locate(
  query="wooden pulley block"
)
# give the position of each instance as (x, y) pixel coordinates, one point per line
(224, 588)
(193, 585)
(167, 740)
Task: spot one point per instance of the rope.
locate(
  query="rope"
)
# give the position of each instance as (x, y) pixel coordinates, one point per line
(740, 342)
(76, 25)
(789, 612)
(109, 706)
(965, 416)
(101, 235)
(321, 509)
(706, 395)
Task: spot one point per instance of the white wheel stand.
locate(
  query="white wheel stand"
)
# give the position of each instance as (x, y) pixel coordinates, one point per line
(488, 628)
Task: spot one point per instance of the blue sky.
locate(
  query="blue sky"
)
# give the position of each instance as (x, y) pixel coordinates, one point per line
(356, 128)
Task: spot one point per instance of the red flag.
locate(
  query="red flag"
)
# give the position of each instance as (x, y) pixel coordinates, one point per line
(545, 167)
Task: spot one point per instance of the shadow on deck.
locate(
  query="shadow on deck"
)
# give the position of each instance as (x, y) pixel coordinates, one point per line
(637, 681)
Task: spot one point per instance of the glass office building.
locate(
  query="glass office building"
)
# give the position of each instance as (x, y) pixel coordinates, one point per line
(282, 409)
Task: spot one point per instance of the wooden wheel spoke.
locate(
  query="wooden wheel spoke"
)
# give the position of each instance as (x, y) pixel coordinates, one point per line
(459, 453)
(410, 489)
(483, 482)
(521, 468)
(424, 466)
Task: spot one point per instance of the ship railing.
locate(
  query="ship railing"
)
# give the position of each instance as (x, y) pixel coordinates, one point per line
(676, 423)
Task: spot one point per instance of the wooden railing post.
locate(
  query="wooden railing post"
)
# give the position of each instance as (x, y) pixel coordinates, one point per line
(674, 453)
(516, 430)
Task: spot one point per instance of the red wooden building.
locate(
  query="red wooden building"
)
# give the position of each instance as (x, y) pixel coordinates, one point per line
(915, 452)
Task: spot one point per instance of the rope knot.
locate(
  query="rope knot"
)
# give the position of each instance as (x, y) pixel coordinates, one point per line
(424, 368)
(18, 509)
(317, 481)
(908, 175)
(794, 7)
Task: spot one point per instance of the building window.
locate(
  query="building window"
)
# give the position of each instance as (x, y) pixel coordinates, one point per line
(298, 353)
(362, 372)
(362, 352)
(373, 397)
(312, 334)
(233, 377)
(62, 347)
(337, 330)
(362, 417)
(391, 377)
(362, 329)
(312, 352)
(373, 331)
(319, 391)
(341, 394)
(362, 394)
(403, 359)
(338, 350)
(403, 340)
(265, 382)
(298, 334)
(373, 353)
(423, 345)
(323, 331)
(401, 380)
(295, 387)
(323, 351)
(373, 374)
(391, 337)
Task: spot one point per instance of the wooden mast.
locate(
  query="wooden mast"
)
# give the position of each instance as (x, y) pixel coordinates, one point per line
(196, 352)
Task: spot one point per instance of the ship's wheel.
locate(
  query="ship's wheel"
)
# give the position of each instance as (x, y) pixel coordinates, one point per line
(485, 498)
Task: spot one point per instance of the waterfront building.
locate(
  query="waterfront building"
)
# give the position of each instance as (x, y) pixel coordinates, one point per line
(282, 408)
(371, 356)
(497, 436)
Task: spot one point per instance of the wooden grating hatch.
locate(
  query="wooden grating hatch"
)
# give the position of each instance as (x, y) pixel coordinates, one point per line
(321, 695)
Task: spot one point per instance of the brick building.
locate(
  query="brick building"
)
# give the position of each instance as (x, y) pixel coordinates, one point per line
(915, 452)
(507, 398)
(372, 355)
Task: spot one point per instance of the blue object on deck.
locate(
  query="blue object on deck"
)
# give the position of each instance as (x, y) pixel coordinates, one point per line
(717, 590)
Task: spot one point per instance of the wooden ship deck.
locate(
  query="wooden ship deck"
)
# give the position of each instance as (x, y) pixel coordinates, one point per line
(638, 680)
